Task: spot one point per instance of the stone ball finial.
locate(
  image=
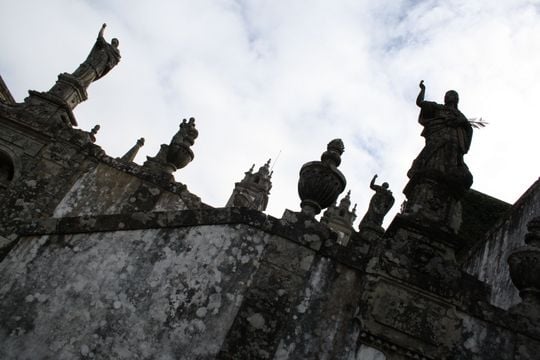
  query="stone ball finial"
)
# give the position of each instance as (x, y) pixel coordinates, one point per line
(334, 150)
(336, 145)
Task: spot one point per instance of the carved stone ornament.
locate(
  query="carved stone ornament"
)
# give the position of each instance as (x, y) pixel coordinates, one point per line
(448, 136)
(102, 58)
(177, 154)
(524, 265)
(439, 176)
(130, 155)
(321, 182)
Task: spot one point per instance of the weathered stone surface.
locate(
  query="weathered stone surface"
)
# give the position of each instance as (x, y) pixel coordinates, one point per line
(5, 94)
(103, 258)
(321, 325)
(486, 259)
(96, 286)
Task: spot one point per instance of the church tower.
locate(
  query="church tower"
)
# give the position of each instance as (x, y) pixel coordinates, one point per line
(252, 192)
(340, 219)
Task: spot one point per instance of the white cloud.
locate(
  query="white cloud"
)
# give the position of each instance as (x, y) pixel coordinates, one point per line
(265, 76)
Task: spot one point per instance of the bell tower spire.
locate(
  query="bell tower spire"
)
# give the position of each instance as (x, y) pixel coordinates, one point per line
(252, 192)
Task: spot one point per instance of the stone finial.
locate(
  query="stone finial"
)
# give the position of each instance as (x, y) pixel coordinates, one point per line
(177, 154)
(92, 134)
(524, 265)
(332, 155)
(381, 202)
(321, 182)
(130, 155)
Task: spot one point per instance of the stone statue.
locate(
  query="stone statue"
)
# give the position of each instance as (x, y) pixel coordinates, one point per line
(102, 58)
(379, 205)
(448, 137)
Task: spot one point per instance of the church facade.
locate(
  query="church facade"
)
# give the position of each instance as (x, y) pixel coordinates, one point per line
(102, 258)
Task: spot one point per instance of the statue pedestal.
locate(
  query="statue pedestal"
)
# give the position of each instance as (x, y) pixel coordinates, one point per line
(435, 202)
(50, 108)
(371, 232)
(69, 89)
(169, 159)
(159, 162)
(65, 95)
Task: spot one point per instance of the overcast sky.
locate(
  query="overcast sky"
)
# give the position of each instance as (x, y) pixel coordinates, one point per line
(264, 77)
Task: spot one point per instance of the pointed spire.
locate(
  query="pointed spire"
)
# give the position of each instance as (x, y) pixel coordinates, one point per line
(130, 155)
(265, 169)
(345, 203)
(252, 192)
(340, 219)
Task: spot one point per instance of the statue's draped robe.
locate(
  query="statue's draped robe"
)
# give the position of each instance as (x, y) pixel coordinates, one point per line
(102, 58)
(448, 137)
(381, 202)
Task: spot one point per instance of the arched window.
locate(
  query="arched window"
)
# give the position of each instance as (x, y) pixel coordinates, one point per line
(7, 170)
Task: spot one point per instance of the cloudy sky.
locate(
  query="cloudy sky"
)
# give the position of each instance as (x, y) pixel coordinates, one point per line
(272, 77)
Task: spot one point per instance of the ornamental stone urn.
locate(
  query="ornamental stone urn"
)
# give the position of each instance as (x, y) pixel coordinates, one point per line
(524, 265)
(321, 182)
(178, 153)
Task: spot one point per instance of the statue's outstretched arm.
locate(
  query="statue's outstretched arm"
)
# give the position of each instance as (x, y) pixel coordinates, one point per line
(101, 31)
(420, 98)
(372, 183)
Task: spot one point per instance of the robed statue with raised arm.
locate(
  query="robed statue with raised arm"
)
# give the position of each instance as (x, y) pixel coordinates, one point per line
(102, 58)
(380, 204)
(448, 136)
